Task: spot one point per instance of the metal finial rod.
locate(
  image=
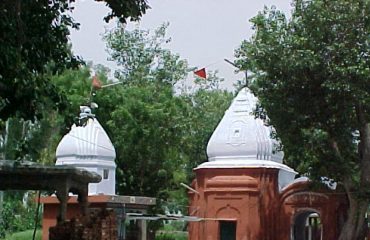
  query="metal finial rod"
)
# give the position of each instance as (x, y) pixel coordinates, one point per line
(246, 71)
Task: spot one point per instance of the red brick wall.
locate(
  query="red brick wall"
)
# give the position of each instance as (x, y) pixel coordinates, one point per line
(100, 224)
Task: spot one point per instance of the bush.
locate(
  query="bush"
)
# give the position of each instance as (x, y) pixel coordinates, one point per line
(16, 216)
(2, 230)
(171, 236)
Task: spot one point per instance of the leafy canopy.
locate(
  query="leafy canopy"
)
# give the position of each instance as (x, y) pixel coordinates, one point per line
(159, 135)
(143, 59)
(34, 40)
(311, 75)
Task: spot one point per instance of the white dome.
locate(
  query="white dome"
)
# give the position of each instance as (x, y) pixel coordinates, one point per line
(90, 148)
(87, 142)
(240, 136)
(242, 141)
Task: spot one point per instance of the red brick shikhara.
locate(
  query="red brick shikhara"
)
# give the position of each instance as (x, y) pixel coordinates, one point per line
(100, 224)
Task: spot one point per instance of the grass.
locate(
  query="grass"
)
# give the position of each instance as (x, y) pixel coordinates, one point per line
(26, 235)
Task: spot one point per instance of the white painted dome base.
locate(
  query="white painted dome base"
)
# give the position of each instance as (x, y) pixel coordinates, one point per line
(241, 163)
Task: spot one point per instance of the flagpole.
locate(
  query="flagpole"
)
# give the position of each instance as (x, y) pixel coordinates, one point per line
(246, 71)
(111, 84)
(96, 85)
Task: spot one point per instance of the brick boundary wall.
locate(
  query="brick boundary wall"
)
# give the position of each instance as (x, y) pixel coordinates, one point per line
(100, 224)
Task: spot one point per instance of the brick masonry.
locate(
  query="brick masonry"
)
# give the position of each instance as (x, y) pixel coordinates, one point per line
(100, 224)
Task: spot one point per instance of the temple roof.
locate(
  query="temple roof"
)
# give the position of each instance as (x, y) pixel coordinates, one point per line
(240, 136)
(89, 141)
(243, 141)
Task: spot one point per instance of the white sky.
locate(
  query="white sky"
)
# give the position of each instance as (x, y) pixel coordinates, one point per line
(203, 32)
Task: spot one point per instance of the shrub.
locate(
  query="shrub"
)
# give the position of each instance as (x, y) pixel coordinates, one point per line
(171, 236)
(17, 216)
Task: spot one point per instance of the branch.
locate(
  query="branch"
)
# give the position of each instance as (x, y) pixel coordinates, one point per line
(364, 147)
(365, 160)
(335, 147)
(360, 114)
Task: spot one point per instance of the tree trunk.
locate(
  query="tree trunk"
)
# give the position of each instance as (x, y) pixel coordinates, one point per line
(355, 226)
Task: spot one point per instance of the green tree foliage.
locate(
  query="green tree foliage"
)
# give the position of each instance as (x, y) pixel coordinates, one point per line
(146, 118)
(20, 134)
(147, 131)
(124, 9)
(142, 58)
(18, 212)
(311, 75)
(36, 140)
(206, 106)
(34, 37)
(155, 131)
(75, 84)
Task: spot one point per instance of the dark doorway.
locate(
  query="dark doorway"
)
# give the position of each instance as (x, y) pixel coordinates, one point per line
(307, 226)
(227, 230)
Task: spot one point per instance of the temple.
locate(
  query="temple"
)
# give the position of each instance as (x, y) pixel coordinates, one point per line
(245, 191)
(88, 147)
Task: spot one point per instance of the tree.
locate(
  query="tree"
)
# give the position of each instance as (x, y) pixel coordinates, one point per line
(147, 130)
(146, 118)
(159, 135)
(311, 75)
(206, 106)
(37, 140)
(34, 39)
(142, 57)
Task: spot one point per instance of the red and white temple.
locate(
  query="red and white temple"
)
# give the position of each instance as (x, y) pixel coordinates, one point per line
(245, 192)
(88, 147)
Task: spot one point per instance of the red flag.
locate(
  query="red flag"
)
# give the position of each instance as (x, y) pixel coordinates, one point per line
(96, 84)
(201, 73)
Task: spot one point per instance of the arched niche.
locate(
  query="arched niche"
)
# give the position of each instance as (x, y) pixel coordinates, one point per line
(227, 222)
(228, 212)
(306, 225)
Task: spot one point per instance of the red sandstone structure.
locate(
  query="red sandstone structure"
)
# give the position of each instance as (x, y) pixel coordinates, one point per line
(245, 192)
(120, 205)
(246, 204)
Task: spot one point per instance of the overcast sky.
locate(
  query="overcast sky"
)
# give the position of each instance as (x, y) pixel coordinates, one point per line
(203, 32)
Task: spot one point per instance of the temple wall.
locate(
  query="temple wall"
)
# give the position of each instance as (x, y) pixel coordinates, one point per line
(250, 197)
(331, 207)
(241, 195)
